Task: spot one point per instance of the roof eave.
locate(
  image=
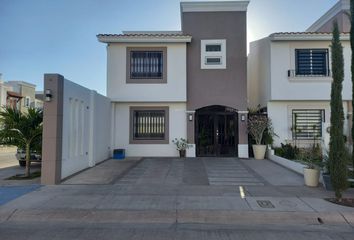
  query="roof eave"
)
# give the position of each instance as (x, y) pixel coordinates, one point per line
(323, 37)
(105, 39)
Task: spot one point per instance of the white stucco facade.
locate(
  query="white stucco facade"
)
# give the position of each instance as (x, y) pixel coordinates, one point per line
(121, 127)
(269, 84)
(172, 91)
(268, 65)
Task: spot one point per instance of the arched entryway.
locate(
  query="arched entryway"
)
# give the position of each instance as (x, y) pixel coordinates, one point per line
(216, 131)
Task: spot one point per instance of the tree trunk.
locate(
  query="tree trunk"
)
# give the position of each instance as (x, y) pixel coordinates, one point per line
(28, 162)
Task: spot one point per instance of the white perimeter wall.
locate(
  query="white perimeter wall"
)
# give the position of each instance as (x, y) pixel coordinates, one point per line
(281, 115)
(86, 131)
(173, 91)
(177, 125)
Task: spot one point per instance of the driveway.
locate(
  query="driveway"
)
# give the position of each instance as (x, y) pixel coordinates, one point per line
(172, 198)
(12, 189)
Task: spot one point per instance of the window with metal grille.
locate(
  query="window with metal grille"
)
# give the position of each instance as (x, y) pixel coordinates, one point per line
(213, 48)
(312, 62)
(149, 124)
(146, 64)
(307, 123)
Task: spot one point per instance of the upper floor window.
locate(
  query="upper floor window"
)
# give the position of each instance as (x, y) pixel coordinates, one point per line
(213, 54)
(311, 62)
(146, 65)
(307, 123)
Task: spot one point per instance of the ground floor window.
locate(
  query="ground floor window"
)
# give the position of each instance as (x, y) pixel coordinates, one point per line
(307, 123)
(149, 125)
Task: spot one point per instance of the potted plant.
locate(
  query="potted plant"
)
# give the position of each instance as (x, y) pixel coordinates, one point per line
(181, 146)
(312, 157)
(257, 125)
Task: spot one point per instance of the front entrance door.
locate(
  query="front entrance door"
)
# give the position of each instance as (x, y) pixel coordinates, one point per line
(216, 131)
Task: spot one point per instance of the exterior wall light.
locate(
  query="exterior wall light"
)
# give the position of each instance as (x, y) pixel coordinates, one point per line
(243, 117)
(190, 117)
(48, 95)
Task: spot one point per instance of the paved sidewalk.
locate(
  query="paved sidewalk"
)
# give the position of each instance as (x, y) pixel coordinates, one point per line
(176, 199)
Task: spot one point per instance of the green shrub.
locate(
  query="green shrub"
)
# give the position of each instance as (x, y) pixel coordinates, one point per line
(287, 151)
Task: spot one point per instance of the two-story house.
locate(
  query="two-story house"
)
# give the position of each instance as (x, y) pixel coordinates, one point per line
(289, 74)
(27, 92)
(186, 84)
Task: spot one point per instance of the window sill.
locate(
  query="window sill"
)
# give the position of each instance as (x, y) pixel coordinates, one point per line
(149, 141)
(146, 81)
(310, 79)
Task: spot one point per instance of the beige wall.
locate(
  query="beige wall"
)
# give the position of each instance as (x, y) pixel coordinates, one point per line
(27, 91)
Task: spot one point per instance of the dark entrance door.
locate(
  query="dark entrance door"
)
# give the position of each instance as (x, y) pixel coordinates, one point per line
(216, 131)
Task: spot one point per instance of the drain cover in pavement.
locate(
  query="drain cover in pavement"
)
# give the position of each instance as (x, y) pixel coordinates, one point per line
(265, 204)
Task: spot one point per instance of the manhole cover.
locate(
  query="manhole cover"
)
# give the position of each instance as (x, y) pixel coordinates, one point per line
(265, 204)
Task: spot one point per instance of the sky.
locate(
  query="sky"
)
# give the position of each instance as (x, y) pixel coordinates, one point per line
(59, 36)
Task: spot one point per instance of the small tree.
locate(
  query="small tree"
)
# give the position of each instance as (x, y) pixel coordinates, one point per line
(337, 164)
(22, 130)
(257, 124)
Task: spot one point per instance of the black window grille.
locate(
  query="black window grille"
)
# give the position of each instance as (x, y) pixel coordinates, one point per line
(307, 123)
(312, 62)
(146, 64)
(149, 124)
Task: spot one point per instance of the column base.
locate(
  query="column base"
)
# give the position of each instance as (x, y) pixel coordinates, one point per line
(191, 151)
(243, 151)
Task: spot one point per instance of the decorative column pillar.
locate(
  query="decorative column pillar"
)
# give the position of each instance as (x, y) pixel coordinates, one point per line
(191, 151)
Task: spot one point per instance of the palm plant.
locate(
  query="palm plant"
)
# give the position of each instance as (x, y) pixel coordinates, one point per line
(22, 130)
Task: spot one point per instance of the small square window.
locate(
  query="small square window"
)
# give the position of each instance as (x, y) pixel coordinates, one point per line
(213, 48)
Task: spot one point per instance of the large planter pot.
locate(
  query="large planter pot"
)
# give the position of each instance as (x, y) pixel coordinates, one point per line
(327, 182)
(311, 177)
(259, 151)
(182, 153)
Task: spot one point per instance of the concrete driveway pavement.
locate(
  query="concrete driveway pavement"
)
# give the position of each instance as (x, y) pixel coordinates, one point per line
(204, 198)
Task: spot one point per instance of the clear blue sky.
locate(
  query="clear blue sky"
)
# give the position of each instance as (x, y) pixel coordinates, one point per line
(59, 36)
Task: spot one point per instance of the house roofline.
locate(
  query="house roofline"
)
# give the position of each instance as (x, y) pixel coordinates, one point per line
(21, 83)
(145, 37)
(215, 6)
(306, 36)
(342, 5)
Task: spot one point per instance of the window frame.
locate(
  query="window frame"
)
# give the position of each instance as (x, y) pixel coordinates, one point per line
(132, 140)
(323, 119)
(160, 80)
(27, 100)
(204, 54)
(327, 70)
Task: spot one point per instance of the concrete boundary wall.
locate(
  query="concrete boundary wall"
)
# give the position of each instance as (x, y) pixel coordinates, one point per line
(76, 132)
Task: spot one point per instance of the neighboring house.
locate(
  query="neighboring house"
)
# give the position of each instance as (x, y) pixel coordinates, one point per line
(39, 98)
(289, 74)
(27, 91)
(186, 84)
(5, 91)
